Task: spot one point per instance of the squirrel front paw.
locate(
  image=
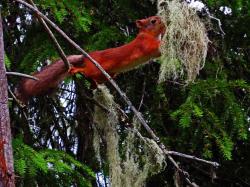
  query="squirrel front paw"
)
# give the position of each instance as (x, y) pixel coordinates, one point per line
(72, 70)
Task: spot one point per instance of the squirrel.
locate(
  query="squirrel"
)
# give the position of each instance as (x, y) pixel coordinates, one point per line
(114, 60)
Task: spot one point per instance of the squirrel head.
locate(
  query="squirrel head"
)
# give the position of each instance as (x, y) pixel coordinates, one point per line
(152, 25)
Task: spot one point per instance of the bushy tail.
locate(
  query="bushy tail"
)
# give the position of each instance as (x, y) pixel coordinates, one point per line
(49, 78)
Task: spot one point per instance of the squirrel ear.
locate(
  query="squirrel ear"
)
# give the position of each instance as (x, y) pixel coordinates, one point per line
(139, 23)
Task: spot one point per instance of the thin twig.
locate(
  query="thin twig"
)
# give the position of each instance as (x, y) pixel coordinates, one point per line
(143, 93)
(53, 38)
(94, 101)
(122, 112)
(21, 105)
(215, 164)
(217, 19)
(22, 75)
(183, 172)
(219, 23)
(14, 97)
(175, 82)
(97, 103)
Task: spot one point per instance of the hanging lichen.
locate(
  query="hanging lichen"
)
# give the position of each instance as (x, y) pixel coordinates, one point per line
(105, 125)
(142, 158)
(131, 157)
(184, 45)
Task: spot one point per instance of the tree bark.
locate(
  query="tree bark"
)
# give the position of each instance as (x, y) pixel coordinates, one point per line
(6, 153)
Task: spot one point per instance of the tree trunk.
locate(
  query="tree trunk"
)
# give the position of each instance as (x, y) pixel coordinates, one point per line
(6, 154)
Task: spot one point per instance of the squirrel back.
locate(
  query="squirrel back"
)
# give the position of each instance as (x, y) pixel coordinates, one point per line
(120, 59)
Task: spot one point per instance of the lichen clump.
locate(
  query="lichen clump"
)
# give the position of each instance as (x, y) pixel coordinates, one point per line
(105, 132)
(184, 45)
(131, 158)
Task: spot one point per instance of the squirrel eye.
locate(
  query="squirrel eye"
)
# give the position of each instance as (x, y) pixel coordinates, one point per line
(153, 21)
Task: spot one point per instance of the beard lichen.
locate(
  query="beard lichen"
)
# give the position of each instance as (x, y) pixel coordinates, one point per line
(184, 44)
(131, 158)
(105, 125)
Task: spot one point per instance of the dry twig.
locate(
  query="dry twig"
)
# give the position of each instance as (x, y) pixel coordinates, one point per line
(22, 75)
(53, 38)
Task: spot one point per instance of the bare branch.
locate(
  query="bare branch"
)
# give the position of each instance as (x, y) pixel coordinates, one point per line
(219, 23)
(143, 93)
(53, 38)
(215, 164)
(184, 173)
(94, 101)
(22, 75)
(97, 103)
(217, 19)
(17, 100)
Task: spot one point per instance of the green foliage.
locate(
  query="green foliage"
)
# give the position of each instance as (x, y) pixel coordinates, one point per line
(50, 164)
(27, 160)
(105, 38)
(209, 118)
(75, 10)
(40, 49)
(7, 61)
(213, 108)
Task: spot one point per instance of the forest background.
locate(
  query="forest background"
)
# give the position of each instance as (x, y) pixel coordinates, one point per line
(208, 118)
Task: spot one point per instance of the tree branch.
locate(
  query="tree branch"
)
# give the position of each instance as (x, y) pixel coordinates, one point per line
(53, 38)
(217, 19)
(22, 75)
(94, 101)
(14, 97)
(143, 94)
(215, 164)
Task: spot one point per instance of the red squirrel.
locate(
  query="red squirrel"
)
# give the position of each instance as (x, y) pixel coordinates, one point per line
(114, 60)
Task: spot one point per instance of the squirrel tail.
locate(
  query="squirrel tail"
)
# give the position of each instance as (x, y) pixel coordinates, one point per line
(49, 78)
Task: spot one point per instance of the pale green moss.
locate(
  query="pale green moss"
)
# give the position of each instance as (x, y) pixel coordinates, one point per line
(184, 45)
(131, 160)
